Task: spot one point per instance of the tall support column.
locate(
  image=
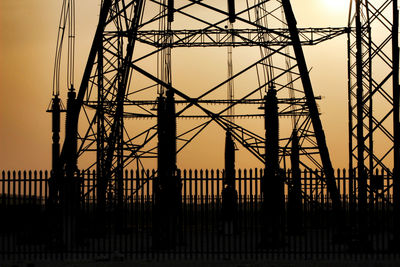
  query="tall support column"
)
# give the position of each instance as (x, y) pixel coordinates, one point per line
(69, 192)
(229, 179)
(312, 106)
(119, 129)
(371, 71)
(71, 136)
(371, 102)
(171, 10)
(55, 110)
(271, 133)
(101, 155)
(159, 190)
(231, 11)
(167, 185)
(295, 208)
(350, 128)
(229, 193)
(396, 119)
(370, 135)
(272, 184)
(119, 176)
(55, 166)
(362, 179)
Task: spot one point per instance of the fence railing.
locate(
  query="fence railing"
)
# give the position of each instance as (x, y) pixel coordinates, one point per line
(30, 228)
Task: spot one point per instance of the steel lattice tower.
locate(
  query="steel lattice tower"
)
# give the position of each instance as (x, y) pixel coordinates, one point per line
(373, 57)
(128, 75)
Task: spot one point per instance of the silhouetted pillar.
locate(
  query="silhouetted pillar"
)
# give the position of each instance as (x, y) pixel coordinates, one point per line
(231, 11)
(362, 175)
(229, 193)
(167, 185)
(71, 137)
(101, 155)
(171, 10)
(55, 165)
(55, 110)
(272, 184)
(396, 122)
(352, 202)
(70, 186)
(295, 207)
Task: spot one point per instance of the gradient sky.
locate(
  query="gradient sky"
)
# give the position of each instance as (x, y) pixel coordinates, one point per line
(28, 31)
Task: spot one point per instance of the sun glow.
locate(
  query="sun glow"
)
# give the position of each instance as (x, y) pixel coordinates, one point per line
(337, 5)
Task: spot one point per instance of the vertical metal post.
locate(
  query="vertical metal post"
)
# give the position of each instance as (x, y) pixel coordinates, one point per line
(171, 10)
(350, 125)
(370, 93)
(55, 164)
(69, 192)
(119, 175)
(362, 179)
(157, 183)
(167, 185)
(396, 118)
(295, 208)
(171, 134)
(231, 11)
(101, 155)
(55, 111)
(229, 179)
(370, 114)
(272, 184)
(295, 163)
(271, 133)
(119, 141)
(229, 193)
(71, 135)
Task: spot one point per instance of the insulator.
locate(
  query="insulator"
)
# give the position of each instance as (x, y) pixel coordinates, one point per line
(294, 198)
(295, 160)
(229, 160)
(295, 142)
(55, 110)
(272, 130)
(71, 135)
(70, 103)
(231, 11)
(171, 10)
(171, 128)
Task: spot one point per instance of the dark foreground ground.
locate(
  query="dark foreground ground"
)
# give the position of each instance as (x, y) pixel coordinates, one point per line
(201, 263)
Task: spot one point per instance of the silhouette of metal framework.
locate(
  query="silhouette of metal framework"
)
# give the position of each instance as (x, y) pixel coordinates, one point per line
(373, 58)
(128, 76)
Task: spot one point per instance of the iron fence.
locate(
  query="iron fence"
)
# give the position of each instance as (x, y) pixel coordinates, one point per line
(32, 228)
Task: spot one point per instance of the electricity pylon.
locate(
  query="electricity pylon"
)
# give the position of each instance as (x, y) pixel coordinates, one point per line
(129, 72)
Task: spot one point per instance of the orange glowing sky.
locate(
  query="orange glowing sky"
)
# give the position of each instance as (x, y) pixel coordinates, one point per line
(28, 31)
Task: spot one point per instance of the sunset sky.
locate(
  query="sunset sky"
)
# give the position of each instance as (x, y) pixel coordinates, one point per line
(28, 32)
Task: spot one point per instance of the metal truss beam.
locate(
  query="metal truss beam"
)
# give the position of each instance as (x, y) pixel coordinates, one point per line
(242, 37)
